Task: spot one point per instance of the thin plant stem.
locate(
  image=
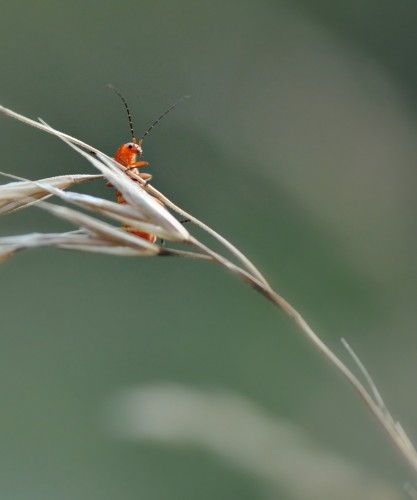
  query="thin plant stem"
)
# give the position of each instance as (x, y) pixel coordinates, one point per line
(48, 129)
(252, 276)
(394, 430)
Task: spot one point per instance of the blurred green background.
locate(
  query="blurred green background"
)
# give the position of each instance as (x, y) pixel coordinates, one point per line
(298, 144)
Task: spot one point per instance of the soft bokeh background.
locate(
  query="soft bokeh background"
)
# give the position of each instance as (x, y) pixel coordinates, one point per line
(299, 145)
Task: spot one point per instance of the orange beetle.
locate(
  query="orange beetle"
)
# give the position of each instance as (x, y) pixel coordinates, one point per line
(127, 154)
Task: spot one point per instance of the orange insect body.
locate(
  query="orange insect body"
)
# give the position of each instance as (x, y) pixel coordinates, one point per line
(126, 155)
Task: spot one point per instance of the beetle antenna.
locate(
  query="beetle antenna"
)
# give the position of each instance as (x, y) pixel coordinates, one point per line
(127, 110)
(163, 114)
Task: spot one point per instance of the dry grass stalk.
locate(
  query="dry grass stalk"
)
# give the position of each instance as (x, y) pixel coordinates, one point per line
(20, 194)
(146, 214)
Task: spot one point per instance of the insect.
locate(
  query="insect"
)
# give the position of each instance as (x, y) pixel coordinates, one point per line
(127, 155)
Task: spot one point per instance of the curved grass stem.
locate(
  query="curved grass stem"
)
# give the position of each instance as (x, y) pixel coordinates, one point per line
(375, 405)
(252, 276)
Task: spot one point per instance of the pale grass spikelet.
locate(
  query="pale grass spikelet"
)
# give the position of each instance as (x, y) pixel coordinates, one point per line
(9, 245)
(99, 236)
(146, 213)
(102, 230)
(20, 194)
(74, 240)
(116, 211)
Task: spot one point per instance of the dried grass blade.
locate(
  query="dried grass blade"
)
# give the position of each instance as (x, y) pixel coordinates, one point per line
(23, 193)
(74, 240)
(46, 128)
(126, 214)
(106, 232)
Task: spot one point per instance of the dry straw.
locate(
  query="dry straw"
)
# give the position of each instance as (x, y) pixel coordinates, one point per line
(144, 213)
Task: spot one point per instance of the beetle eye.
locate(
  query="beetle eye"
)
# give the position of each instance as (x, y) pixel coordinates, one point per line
(130, 145)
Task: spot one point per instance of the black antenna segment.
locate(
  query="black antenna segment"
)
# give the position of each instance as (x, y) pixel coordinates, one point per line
(127, 110)
(160, 118)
